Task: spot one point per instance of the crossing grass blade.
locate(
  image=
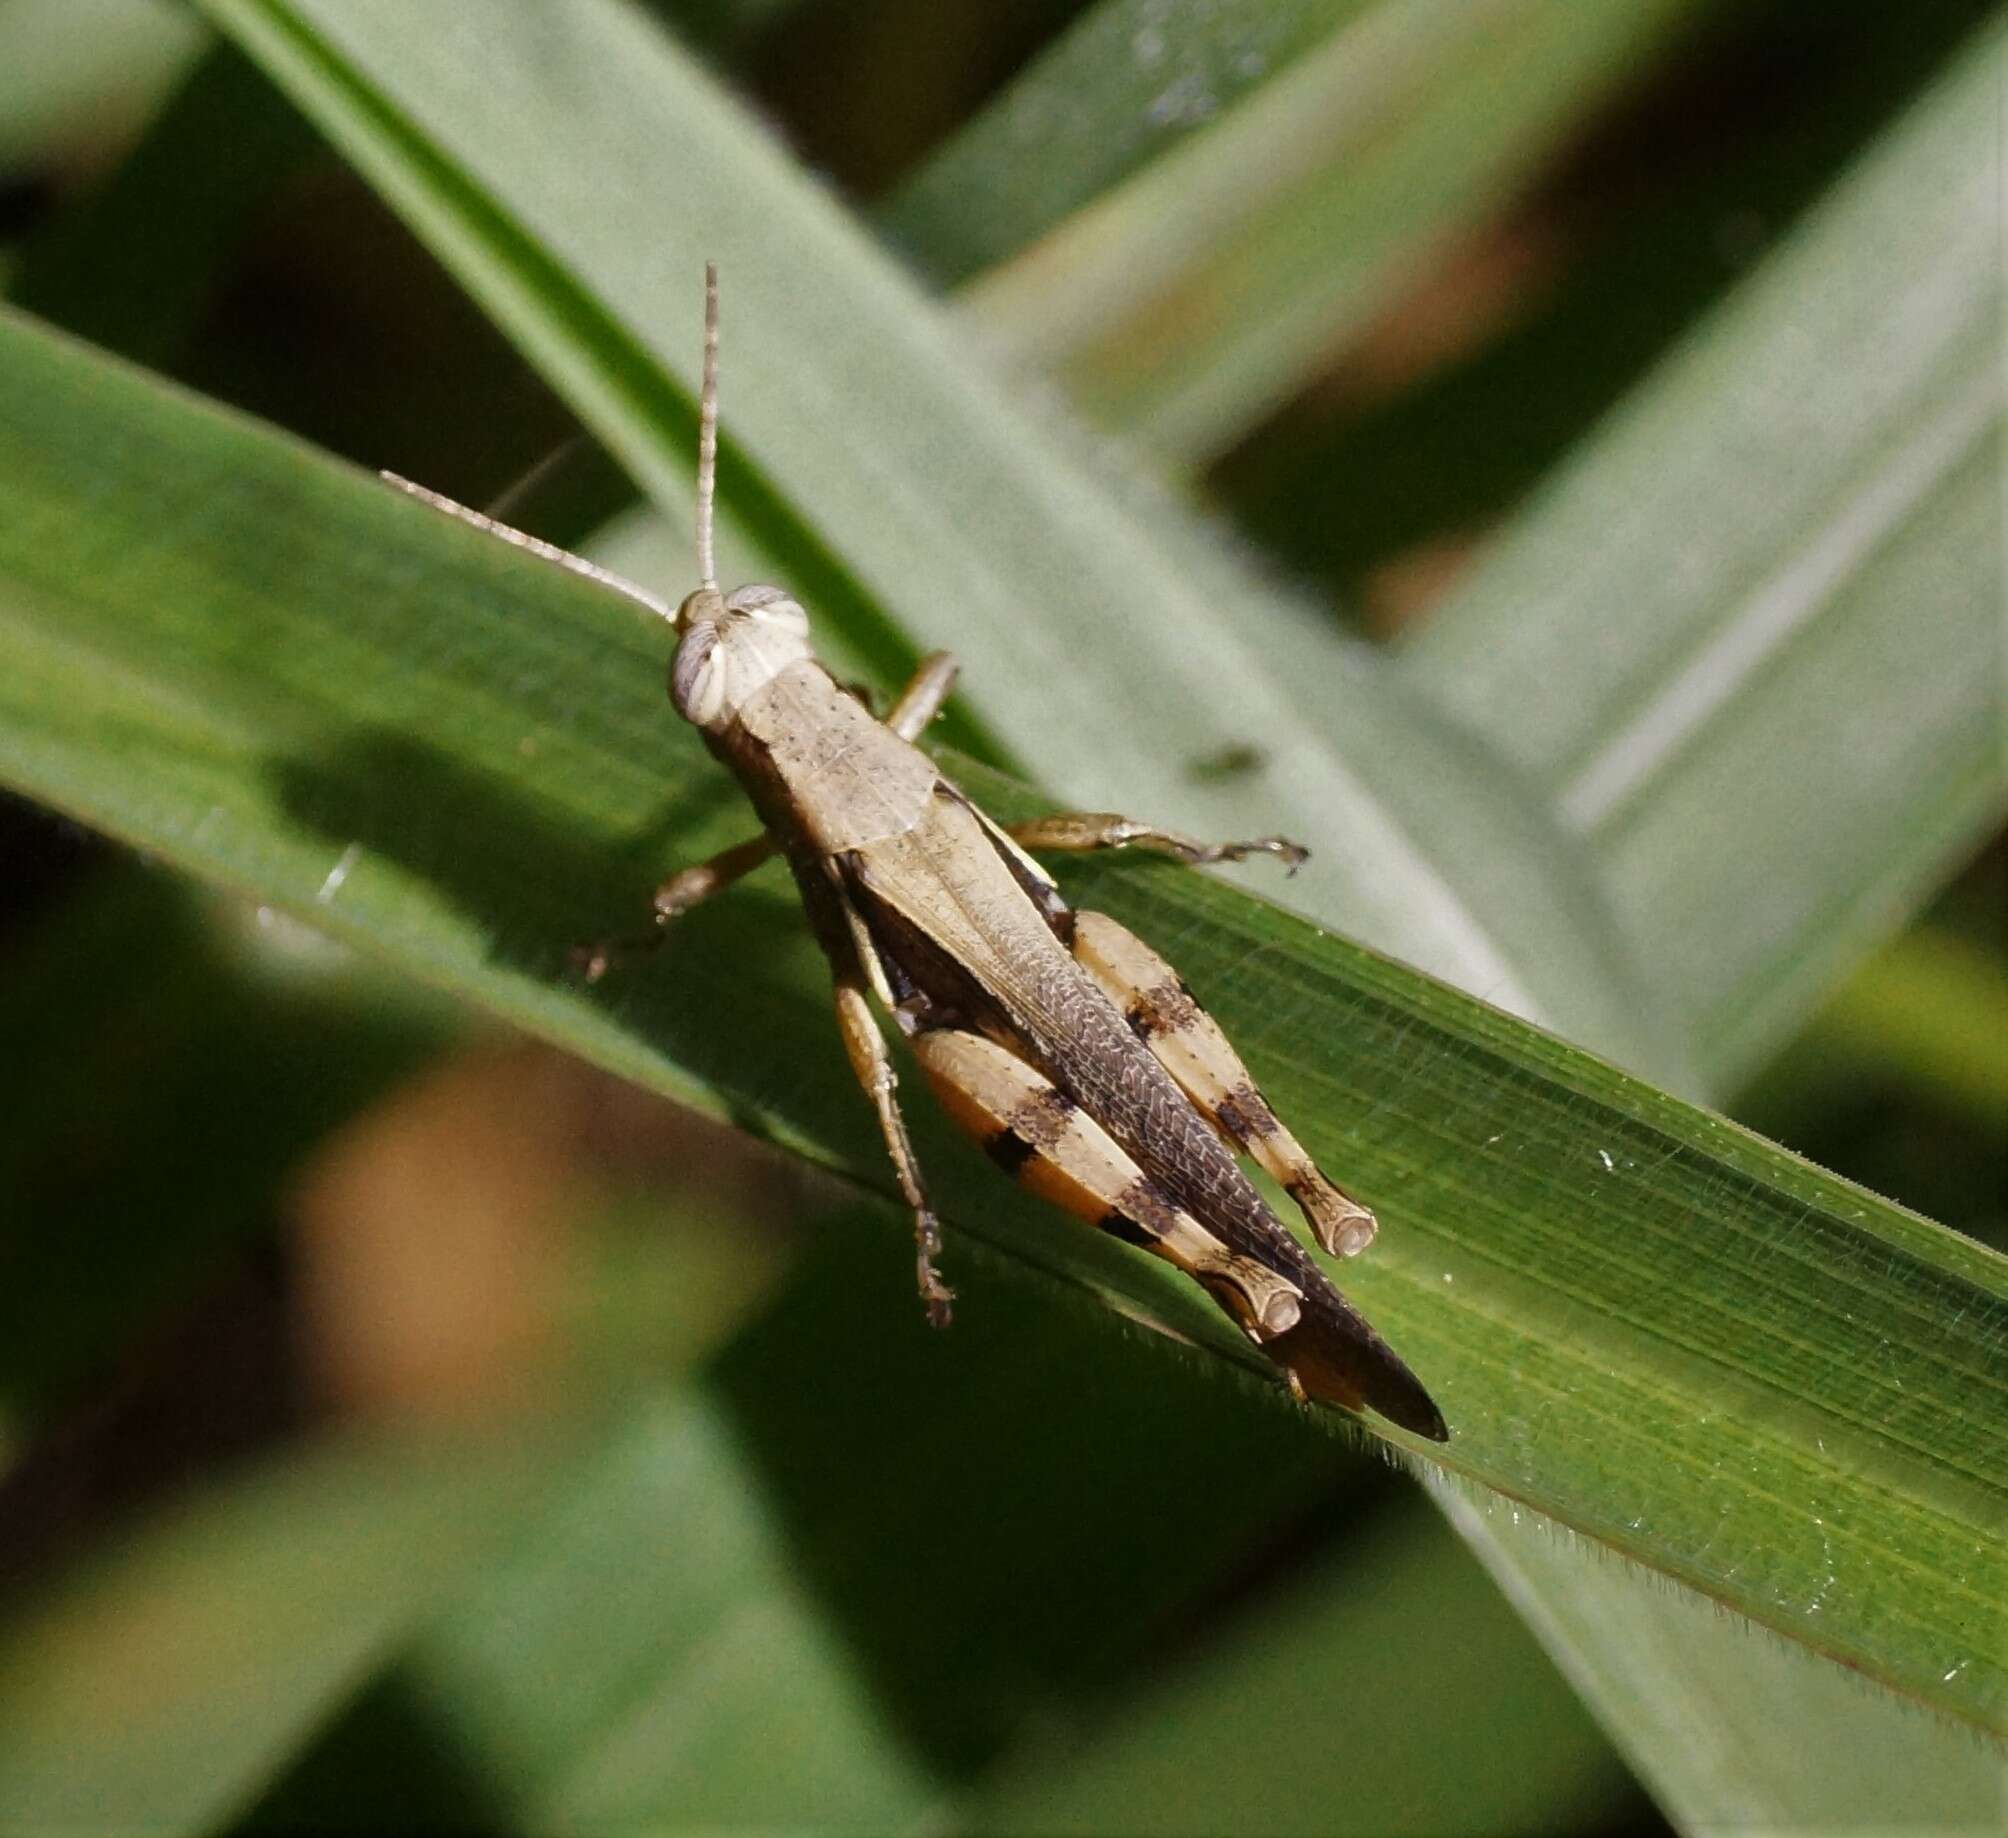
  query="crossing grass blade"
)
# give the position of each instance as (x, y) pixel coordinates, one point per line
(1187, 303)
(158, 1685)
(1125, 84)
(1795, 732)
(575, 171)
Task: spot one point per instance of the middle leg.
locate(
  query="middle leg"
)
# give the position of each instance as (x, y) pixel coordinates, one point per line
(1080, 831)
(873, 1066)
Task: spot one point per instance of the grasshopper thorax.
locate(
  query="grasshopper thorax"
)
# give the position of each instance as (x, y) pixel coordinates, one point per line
(733, 646)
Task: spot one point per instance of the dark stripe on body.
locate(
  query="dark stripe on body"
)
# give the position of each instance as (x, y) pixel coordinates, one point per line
(1162, 1010)
(1033, 881)
(1143, 1214)
(1120, 1225)
(1044, 1118)
(1244, 1115)
(1032, 1129)
(930, 984)
(1009, 1150)
(1148, 1204)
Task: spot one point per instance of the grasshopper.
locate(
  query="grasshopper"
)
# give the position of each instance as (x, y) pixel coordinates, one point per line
(1058, 1039)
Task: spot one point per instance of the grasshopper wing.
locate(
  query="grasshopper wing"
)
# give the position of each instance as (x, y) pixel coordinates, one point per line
(948, 910)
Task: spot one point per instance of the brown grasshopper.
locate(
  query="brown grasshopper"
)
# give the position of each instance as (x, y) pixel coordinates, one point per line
(1067, 1047)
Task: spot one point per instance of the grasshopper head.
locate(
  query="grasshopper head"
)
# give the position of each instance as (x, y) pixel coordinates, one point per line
(732, 646)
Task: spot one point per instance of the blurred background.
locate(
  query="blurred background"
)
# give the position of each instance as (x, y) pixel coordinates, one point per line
(261, 1198)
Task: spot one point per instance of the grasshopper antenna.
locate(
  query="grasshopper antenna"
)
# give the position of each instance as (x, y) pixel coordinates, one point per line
(536, 545)
(707, 432)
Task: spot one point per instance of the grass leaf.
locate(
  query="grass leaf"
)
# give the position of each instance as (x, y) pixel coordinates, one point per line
(1128, 81)
(1795, 729)
(1187, 303)
(1639, 1320)
(158, 1686)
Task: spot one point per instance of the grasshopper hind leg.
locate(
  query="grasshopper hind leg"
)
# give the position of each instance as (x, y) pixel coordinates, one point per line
(1050, 1145)
(1188, 1043)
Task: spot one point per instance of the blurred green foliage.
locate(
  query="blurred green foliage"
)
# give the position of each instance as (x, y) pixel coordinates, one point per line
(1117, 1591)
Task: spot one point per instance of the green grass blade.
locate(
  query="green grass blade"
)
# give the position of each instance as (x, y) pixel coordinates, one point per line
(1187, 303)
(1640, 1320)
(575, 171)
(908, 1535)
(1734, 1734)
(670, 1715)
(1795, 728)
(136, 263)
(362, 1638)
(157, 1686)
(902, 1538)
(74, 73)
(1129, 80)
(1369, 1698)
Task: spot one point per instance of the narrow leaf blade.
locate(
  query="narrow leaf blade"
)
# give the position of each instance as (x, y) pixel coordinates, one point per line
(1794, 730)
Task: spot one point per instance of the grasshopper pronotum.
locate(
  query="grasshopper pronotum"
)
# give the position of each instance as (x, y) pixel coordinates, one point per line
(1059, 1040)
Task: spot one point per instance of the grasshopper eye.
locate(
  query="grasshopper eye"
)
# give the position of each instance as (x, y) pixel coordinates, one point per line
(697, 676)
(771, 606)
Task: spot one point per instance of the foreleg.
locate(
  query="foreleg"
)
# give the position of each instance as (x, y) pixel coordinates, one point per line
(684, 889)
(920, 701)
